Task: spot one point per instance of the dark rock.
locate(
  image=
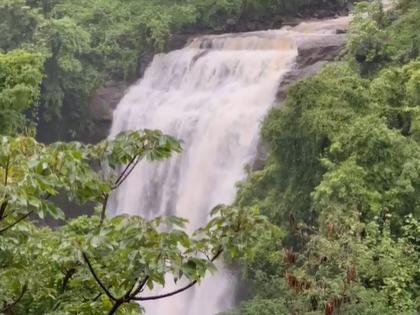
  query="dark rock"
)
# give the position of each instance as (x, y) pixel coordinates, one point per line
(106, 100)
(143, 62)
(260, 160)
(325, 48)
(278, 21)
(102, 106)
(313, 55)
(322, 14)
(294, 21)
(178, 41)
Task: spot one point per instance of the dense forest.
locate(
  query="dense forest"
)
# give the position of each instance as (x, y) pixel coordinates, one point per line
(329, 225)
(342, 181)
(84, 44)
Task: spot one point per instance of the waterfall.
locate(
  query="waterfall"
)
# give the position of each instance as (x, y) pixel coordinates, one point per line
(213, 95)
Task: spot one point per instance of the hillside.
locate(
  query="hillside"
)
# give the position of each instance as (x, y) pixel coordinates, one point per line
(342, 181)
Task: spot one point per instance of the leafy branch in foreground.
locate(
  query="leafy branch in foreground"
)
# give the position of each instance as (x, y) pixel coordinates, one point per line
(99, 264)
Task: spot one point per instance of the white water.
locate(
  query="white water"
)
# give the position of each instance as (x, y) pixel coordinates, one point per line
(213, 95)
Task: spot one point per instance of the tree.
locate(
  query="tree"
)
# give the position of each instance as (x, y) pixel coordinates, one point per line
(97, 264)
(20, 79)
(18, 24)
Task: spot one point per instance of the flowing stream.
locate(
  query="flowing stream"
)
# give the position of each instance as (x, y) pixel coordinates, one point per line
(213, 95)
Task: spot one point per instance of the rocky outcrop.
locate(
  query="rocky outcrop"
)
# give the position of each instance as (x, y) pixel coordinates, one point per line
(106, 100)
(102, 106)
(313, 55)
(321, 49)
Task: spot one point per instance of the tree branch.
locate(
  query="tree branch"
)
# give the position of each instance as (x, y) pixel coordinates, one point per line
(97, 296)
(3, 209)
(127, 171)
(103, 211)
(92, 271)
(123, 176)
(139, 288)
(6, 174)
(130, 295)
(16, 222)
(67, 278)
(188, 286)
(162, 296)
(10, 306)
(6, 177)
(115, 307)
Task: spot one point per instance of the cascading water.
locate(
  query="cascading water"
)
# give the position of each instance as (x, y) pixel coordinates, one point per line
(213, 95)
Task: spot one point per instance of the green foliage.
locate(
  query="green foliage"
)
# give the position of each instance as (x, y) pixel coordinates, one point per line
(85, 44)
(379, 38)
(368, 37)
(17, 24)
(343, 181)
(298, 134)
(54, 265)
(222, 14)
(20, 79)
(262, 307)
(98, 264)
(356, 268)
(32, 170)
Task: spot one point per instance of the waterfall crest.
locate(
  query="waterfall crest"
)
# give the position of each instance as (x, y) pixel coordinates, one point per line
(213, 95)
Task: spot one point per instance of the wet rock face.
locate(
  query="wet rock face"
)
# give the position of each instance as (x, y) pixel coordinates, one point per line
(313, 55)
(322, 49)
(102, 106)
(106, 100)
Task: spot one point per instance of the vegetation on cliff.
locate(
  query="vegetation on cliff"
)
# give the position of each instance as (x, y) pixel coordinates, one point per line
(20, 78)
(343, 181)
